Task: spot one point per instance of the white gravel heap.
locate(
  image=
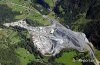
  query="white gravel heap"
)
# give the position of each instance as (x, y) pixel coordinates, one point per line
(50, 40)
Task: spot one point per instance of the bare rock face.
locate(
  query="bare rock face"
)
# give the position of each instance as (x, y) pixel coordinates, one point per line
(50, 40)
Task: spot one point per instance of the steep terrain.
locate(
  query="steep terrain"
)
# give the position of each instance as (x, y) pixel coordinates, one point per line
(50, 40)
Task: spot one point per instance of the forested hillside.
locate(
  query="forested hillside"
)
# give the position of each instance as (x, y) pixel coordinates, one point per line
(81, 15)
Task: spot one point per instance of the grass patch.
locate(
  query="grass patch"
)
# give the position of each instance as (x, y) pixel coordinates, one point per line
(97, 54)
(24, 56)
(9, 35)
(52, 15)
(50, 3)
(26, 10)
(67, 58)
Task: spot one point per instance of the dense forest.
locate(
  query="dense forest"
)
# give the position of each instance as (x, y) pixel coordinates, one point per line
(81, 15)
